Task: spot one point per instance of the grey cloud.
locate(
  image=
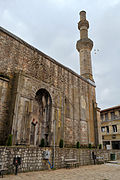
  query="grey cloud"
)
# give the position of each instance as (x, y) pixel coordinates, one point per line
(51, 26)
(107, 66)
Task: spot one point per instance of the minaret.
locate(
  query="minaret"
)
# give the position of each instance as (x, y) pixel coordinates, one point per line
(84, 47)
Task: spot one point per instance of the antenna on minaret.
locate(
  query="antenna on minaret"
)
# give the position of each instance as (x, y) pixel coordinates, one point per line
(84, 47)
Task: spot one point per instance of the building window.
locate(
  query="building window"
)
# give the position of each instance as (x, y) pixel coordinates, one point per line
(112, 115)
(106, 116)
(107, 127)
(102, 117)
(105, 143)
(119, 112)
(103, 129)
(114, 128)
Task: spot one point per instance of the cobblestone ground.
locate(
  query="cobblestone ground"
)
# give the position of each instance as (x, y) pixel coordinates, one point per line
(92, 172)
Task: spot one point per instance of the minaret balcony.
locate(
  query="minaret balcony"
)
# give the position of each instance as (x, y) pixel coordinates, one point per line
(83, 23)
(84, 43)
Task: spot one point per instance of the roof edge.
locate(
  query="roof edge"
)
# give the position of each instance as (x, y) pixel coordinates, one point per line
(43, 54)
(108, 109)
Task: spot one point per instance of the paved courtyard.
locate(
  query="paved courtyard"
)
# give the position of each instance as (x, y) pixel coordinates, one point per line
(92, 172)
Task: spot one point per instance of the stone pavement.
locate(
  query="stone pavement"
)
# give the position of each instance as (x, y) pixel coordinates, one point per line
(91, 172)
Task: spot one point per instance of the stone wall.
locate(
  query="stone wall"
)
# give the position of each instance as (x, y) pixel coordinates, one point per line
(29, 70)
(32, 157)
(4, 83)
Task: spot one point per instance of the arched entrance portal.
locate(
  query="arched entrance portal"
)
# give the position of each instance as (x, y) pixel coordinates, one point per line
(44, 104)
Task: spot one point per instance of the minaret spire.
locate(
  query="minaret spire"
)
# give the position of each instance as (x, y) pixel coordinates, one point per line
(84, 47)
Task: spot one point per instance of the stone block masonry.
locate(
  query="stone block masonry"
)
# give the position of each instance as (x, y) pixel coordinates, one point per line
(32, 157)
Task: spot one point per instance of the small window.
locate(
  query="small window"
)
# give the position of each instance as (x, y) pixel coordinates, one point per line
(102, 129)
(112, 115)
(107, 127)
(102, 117)
(106, 116)
(114, 128)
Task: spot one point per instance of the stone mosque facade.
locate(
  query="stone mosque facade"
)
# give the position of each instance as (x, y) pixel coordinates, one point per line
(42, 99)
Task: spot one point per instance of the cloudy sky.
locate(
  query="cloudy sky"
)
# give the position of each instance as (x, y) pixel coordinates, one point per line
(51, 26)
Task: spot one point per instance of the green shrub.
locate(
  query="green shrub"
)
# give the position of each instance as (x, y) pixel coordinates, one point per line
(78, 145)
(9, 140)
(89, 146)
(42, 144)
(61, 143)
